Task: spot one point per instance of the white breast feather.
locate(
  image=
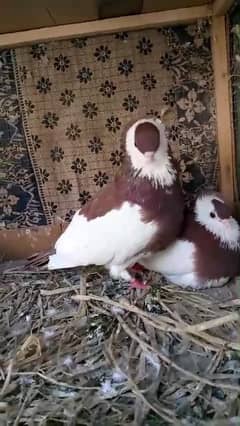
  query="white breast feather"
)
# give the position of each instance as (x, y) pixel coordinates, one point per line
(106, 240)
(177, 259)
(176, 263)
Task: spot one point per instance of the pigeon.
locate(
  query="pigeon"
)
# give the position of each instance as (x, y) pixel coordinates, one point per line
(207, 253)
(140, 212)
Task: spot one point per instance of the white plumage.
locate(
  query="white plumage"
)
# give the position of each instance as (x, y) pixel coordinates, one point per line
(111, 240)
(178, 258)
(176, 263)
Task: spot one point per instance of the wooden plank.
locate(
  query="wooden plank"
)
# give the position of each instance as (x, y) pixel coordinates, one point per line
(31, 14)
(221, 7)
(113, 9)
(157, 5)
(22, 243)
(23, 15)
(147, 20)
(223, 107)
(69, 12)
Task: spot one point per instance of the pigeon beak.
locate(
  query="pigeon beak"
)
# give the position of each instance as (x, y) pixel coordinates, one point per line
(226, 223)
(149, 156)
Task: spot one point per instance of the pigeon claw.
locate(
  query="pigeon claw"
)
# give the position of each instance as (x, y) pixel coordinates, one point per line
(136, 283)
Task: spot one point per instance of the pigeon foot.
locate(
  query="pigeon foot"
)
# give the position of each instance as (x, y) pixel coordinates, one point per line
(139, 284)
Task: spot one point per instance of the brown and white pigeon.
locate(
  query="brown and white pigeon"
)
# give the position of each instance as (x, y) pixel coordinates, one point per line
(139, 212)
(207, 254)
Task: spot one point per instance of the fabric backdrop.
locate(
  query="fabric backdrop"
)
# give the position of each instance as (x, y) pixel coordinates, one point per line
(77, 95)
(20, 205)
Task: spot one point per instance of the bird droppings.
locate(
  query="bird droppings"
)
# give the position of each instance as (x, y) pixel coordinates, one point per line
(117, 311)
(113, 354)
(26, 380)
(48, 333)
(154, 361)
(51, 312)
(107, 389)
(68, 361)
(28, 318)
(118, 376)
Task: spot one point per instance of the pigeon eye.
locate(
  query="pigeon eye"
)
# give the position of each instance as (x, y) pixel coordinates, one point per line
(212, 215)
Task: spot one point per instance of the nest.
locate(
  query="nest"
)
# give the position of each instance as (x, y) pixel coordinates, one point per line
(92, 352)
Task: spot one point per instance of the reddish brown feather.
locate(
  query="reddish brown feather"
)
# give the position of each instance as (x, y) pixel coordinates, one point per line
(211, 260)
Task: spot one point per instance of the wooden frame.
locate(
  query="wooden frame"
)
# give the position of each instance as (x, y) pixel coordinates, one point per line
(125, 23)
(221, 7)
(223, 107)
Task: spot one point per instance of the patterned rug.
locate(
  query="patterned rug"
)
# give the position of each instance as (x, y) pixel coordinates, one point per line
(20, 205)
(235, 80)
(77, 95)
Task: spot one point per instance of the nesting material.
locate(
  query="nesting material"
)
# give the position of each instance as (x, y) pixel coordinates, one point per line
(95, 353)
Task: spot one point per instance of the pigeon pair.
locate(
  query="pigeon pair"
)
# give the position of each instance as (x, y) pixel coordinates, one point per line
(139, 218)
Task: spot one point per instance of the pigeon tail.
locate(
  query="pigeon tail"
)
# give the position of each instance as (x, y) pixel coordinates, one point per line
(58, 262)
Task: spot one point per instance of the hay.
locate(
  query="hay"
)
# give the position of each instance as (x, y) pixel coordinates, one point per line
(95, 353)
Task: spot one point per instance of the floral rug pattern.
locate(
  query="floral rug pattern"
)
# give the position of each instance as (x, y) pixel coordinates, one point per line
(20, 205)
(189, 61)
(76, 98)
(77, 95)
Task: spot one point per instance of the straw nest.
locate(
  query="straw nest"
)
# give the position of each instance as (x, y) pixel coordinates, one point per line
(91, 352)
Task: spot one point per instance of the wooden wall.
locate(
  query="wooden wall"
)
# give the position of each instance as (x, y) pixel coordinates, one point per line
(22, 15)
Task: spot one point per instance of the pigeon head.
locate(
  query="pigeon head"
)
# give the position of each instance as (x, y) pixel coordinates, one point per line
(147, 150)
(212, 212)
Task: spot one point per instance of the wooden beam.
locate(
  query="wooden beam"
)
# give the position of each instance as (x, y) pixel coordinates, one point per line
(221, 7)
(113, 9)
(126, 23)
(157, 5)
(223, 107)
